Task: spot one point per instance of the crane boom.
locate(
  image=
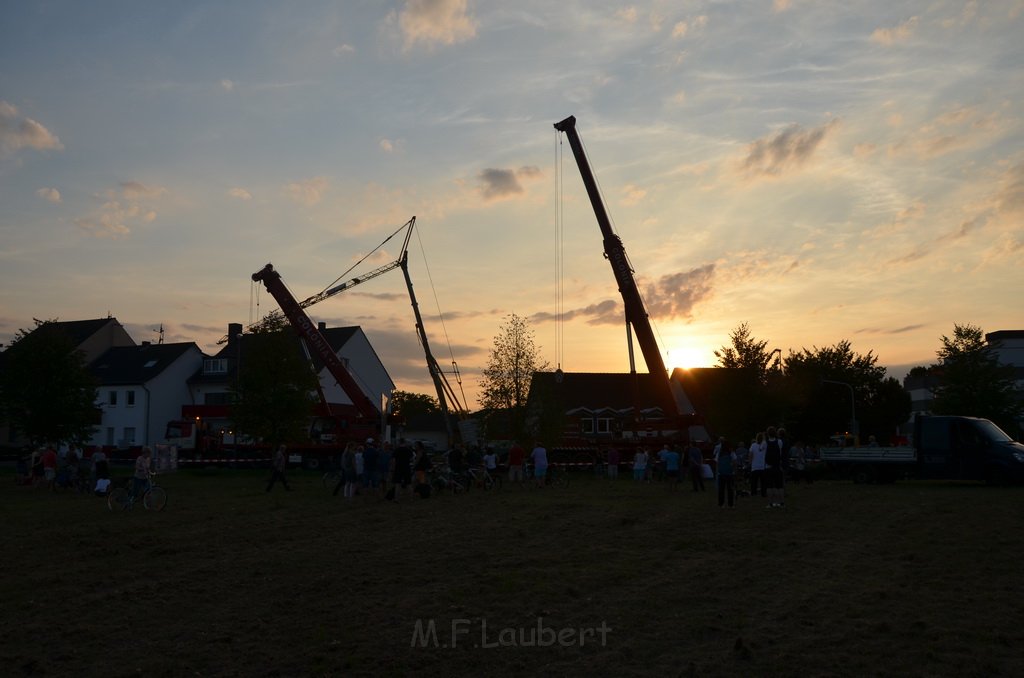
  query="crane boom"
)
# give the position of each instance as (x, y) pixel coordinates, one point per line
(445, 393)
(615, 252)
(308, 331)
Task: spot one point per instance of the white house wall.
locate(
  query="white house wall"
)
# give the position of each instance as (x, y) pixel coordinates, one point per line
(157, 402)
(364, 366)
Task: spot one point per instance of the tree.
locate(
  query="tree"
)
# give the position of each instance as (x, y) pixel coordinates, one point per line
(46, 390)
(972, 381)
(275, 385)
(748, 398)
(746, 352)
(506, 379)
(405, 404)
(833, 388)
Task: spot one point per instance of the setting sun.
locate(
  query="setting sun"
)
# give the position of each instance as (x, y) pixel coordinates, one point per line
(688, 357)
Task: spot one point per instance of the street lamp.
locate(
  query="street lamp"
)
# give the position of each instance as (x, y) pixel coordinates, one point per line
(854, 426)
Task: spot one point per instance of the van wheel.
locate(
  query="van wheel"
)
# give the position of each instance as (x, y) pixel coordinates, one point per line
(311, 463)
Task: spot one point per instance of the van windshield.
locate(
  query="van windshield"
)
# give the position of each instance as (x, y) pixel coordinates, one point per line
(992, 432)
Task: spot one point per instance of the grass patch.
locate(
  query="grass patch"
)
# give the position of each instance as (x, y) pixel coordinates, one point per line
(905, 579)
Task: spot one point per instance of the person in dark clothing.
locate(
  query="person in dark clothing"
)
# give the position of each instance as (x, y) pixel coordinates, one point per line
(725, 462)
(773, 468)
(277, 467)
(401, 473)
(696, 464)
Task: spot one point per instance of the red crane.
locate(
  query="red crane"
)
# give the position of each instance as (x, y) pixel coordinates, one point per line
(615, 253)
(307, 331)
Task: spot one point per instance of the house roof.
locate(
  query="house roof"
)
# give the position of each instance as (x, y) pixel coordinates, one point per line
(596, 390)
(137, 364)
(336, 338)
(77, 331)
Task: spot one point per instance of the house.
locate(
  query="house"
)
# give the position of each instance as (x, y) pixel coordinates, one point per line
(212, 386)
(140, 389)
(588, 409)
(91, 337)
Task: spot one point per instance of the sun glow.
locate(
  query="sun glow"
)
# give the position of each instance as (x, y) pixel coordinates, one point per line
(688, 357)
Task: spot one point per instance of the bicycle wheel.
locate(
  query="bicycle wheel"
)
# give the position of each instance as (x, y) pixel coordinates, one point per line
(330, 480)
(496, 482)
(155, 499)
(118, 499)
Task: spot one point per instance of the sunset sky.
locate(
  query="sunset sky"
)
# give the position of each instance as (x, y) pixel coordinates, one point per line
(819, 170)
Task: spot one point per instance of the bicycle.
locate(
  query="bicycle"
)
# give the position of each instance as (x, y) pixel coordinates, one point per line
(481, 477)
(153, 498)
(444, 479)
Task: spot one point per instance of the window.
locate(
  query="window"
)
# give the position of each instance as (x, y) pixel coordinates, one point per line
(604, 425)
(129, 398)
(586, 426)
(129, 435)
(215, 366)
(222, 398)
(112, 398)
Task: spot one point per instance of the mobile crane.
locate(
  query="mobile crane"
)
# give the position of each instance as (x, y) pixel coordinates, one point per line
(368, 416)
(615, 253)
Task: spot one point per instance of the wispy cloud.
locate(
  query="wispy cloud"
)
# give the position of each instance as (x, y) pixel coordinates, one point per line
(240, 193)
(123, 208)
(784, 151)
(49, 195)
(308, 192)
(434, 22)
(900, 33)
(17, 132)
(501, 184)
(675, 295)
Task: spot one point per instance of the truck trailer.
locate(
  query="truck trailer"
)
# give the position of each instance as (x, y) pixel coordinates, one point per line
(942, 447)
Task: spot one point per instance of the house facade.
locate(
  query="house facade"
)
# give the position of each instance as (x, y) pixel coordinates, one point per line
(140, 389)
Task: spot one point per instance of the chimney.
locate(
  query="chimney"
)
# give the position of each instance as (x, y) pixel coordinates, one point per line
(145, 344)
(234, 332)
(321, 326)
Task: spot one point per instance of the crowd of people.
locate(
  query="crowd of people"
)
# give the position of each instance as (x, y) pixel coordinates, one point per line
(64, 467)
(760, 469)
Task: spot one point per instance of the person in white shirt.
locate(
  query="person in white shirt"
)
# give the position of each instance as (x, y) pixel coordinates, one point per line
(758, 448)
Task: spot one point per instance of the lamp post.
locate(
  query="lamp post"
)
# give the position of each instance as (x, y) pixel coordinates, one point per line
(854, 426)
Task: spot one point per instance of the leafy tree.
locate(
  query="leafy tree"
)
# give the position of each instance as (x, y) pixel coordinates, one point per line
(820, 383)
(972, 381)
(746, 352)
(749, 397)
(406, 404)
(506, 378)
(46, 390)
(275, 385)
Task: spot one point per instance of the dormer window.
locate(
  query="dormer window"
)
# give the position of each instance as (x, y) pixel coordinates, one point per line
(215, 366)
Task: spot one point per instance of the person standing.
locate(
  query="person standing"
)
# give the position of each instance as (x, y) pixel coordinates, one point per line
(384, 467)
(757, 451)
(696, 466)
(277, 467)
(49, 461)
(422, 464)
(640, 465)
(401, 474)
(773, 469)
(100, 466)
(348, 472)
(516, 456)
(539, 457)
(725, 463)
(613, 463)
(140, 480)
(370, 478)
(670, 458)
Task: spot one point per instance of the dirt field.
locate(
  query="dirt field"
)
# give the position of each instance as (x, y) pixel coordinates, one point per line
(600, 578)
